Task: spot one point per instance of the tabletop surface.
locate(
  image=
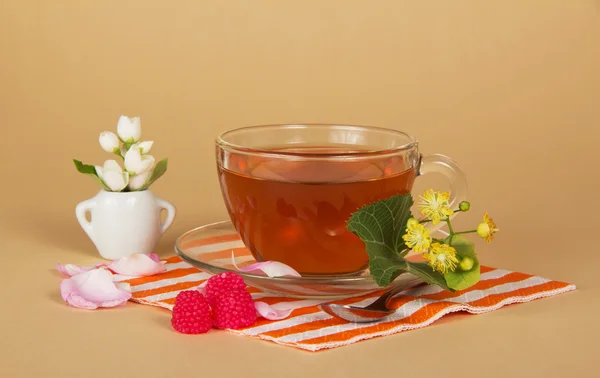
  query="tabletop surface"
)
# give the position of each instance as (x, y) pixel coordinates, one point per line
(510, 91)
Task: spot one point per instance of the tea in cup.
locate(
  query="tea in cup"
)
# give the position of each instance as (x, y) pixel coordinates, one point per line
(290, 189)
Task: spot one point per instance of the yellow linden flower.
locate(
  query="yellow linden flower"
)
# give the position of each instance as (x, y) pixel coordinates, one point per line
(417, 237)
(434, 205)
(441, 257)
(487, 228)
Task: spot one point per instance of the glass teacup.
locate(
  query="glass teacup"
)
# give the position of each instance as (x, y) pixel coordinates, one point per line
(289, 189)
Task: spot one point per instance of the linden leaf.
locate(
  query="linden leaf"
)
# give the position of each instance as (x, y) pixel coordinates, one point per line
(427, 274)
(380, 225)
(460, 279)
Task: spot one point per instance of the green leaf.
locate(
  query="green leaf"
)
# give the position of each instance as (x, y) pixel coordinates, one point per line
(460, 279)
(159, 170)
(91, 171)
(427, 274)
(380, 225)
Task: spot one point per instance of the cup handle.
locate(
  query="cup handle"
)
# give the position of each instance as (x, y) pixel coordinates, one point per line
(171, 211)
(458, 182)
(80, 210)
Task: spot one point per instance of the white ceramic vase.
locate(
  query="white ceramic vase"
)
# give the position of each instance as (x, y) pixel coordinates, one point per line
(124, 223)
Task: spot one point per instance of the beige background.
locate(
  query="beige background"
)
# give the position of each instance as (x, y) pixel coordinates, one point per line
(510, 89)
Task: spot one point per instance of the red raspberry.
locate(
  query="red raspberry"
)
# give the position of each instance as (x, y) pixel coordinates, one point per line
(191, 313)
(222, 283)
(234, 309)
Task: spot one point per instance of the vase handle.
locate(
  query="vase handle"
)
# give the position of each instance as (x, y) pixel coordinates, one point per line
(171, 211)
(80, 210)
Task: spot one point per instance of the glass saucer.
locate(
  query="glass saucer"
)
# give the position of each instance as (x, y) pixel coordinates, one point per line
(210, 247)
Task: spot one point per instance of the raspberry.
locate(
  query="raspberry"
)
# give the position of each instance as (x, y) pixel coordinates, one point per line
(234, 309)
(223, 283)
(191, 313)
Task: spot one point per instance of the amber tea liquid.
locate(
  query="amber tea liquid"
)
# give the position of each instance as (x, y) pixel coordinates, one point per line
(295, 212)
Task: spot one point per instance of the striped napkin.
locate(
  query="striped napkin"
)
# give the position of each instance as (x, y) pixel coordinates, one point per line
(311, 329)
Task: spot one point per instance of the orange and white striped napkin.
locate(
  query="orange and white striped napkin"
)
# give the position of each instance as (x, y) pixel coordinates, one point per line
(309, 328)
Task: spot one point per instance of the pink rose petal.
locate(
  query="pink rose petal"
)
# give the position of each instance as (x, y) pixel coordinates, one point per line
(138, 264)
(270, 268)
(122, 285)
(72, 269)
(268, 312)
(202, 288)
(92, 289)
(154, 257)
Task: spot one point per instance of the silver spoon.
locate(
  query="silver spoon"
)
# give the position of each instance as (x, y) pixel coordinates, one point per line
(374, 312)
